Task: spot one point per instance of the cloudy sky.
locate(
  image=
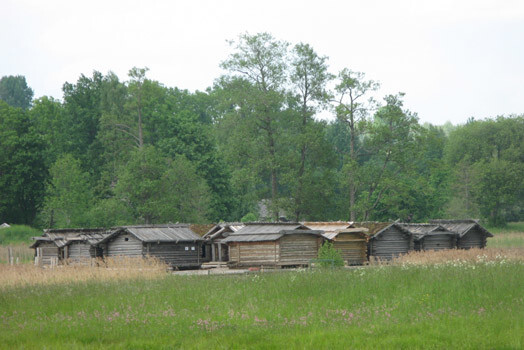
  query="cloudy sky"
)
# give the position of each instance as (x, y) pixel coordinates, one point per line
(454, 59)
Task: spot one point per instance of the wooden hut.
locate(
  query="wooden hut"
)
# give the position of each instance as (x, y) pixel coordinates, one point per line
(431, 237)
(470, 233)
(175, 244)
(273, 245)
(352, 244)
(71, 244)
(215, 251)
(387, 240)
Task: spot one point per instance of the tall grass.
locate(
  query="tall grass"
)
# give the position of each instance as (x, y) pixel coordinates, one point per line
(21, 253)
(472, 305)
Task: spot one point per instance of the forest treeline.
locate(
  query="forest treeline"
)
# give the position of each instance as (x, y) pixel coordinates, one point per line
(132, 151)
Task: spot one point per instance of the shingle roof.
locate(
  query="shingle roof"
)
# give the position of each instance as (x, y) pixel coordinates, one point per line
(259, 232)
(462, 226)
(161, 233)
(421, 230)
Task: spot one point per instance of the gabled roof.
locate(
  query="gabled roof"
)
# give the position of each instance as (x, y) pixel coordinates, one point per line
(462, 226)
(270, 231)
(375, 228)
(90, 237)
(269, 237)
(222, 229)
(421, 230)
(332, 235)
(157, 233)
(62, 236)
(328, 226)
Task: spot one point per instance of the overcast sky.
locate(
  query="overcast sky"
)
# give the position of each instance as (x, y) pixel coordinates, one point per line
(454, 59)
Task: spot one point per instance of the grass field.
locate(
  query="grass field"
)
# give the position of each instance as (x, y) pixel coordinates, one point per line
(463, 304)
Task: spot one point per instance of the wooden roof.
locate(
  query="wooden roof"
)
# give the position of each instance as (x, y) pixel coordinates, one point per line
(421, 230)
(377, 228)
(259, 232)
(328, 226)
(362, 231)
(461, 226)
(157, 233)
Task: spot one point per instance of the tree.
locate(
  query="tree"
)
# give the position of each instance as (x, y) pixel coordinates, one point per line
(138, 77)
(69, 196)
(23, 171)
(260, 60)
(352, 108)
(309, 77)
(157, 189)
(15, 92)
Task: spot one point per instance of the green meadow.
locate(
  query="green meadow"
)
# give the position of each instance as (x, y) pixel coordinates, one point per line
(452, 305)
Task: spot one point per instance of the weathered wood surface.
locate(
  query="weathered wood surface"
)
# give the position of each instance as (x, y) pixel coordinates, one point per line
(48, 254)
(438, 242)
(390, 244)
(298, 249)
(473, 239)
(176, 255)
(253, 253)
(119, 246)
(352, 247)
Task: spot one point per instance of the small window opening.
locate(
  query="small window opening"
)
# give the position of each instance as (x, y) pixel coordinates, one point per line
(126, 239)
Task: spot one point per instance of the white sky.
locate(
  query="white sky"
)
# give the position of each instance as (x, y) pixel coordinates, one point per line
(453, 59)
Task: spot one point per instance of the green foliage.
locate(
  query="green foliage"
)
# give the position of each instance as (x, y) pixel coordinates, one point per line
(157, 189)
(329, 256)
(249, 217)
(15, 91)
(18, 234)
(69, 195)
(22, 166)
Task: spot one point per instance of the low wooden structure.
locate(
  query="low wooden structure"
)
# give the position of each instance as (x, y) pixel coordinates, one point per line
(470, 233)
(215, 250)
(351, 243)
(175, 244)
(69, 244)
(387, 240)
(273, 245)
(431, 237)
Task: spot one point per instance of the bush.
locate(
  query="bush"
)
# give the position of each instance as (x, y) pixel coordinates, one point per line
(329, 256)
(249, 217)
(18, 234)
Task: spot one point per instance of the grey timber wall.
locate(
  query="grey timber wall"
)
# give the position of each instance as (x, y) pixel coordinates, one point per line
(297, 249)
(78, 251)
(390, 244)
(473, 239)
(176, 254)
(48, 253)
(124, 244)
(438, 242)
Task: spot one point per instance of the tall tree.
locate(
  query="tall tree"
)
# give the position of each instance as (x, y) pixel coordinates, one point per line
(260, 59)
(15, 91)
(309, 76)
(22, 166)
(353, 105)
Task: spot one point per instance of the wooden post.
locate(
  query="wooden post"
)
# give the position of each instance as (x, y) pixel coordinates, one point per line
(213, 252)
(219, 251)
(10, 255)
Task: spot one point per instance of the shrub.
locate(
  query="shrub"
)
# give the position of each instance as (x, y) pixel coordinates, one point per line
(249, 217)
(329, 256)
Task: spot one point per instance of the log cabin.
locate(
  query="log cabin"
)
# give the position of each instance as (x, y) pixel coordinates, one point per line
(387, 240)
(273, 245)
(175, 244)
(470, 233)
(431, 237)
(215, 251)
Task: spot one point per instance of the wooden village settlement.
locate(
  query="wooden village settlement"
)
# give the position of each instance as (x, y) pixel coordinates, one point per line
(256, 244)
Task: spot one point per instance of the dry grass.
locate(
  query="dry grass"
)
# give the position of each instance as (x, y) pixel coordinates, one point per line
(459, 255)
(21, 253)
(107, 270)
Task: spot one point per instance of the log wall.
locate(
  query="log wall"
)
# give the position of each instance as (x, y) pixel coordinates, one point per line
(298, 249)
(176, 254)
(352, 247)
(48, 253)
(119, 246)
(390, 244)
(438, 242)
(473, 239)
(253, 253)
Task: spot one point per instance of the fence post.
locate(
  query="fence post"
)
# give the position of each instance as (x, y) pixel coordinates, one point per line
(10, 255)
